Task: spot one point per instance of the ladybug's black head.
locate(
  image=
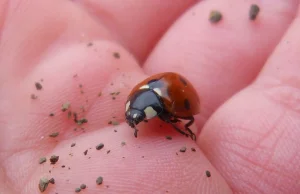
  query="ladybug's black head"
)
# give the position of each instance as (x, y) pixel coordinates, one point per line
(134, 117)
(142, 106)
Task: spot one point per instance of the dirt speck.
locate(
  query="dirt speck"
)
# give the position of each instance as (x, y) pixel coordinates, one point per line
(99, 146)
(82, 121)
(99, 180)
(33, 96)
(183, 149)
(65, 106)
(54, 134)
(116, 55)
(82, 186)
(253, 12)
(42, 160)
(208, 174)
(54, 159)
(52, 181)
(38, 85)
(215, 16)
(43, 184)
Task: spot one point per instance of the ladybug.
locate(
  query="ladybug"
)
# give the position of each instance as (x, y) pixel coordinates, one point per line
(169, 96)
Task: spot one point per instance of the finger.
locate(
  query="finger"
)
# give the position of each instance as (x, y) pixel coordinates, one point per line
(138, 25)
(221, 58)
(257, 130)
(147, 164)
(24, 43)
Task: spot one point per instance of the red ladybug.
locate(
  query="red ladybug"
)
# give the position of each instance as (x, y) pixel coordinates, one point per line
(168, 96)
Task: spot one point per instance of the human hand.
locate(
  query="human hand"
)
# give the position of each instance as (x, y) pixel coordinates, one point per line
(247, 133)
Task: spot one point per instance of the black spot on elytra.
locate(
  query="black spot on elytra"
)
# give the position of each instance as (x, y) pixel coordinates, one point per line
(187, 104)
(182, 81)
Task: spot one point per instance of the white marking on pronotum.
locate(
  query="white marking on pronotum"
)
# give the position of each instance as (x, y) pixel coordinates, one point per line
(158, 91)
(127, 106)
(134, 115)
(144, 87)
(150, 112)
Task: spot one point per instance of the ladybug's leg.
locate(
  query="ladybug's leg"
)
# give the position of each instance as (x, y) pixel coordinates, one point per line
(135, 132)
(166, 118)
(179, 130)
(175, 120)
(193, 136)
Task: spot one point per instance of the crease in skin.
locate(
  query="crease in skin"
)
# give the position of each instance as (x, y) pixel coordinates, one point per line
(285, 92)
(4, 4)
(254, 171)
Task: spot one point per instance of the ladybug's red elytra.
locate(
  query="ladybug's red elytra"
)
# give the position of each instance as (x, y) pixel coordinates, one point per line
(169, 96)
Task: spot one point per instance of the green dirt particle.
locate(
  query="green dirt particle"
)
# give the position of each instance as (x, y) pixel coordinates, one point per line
(43, 184)
(38, 85)
(115, 123)
(77, 190)
(99, 180)
(42, 160)
(99, 146)
(169, 137)
(82, 186)
(116, 55)
(54, 134)
(82, 121)
(183, 149)
(215, 16)
(65, 106)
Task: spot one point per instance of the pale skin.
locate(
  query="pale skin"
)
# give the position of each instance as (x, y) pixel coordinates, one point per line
(246, 73)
